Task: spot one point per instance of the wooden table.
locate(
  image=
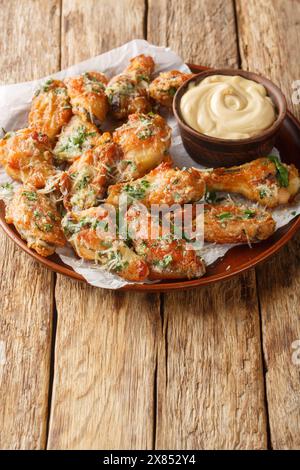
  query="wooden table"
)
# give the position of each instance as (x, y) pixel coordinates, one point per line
(82, 367)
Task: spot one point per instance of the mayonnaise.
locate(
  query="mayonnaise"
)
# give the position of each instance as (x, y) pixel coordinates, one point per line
(227, 107)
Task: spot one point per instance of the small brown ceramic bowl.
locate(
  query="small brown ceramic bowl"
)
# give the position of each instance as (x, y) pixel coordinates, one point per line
(215, 152)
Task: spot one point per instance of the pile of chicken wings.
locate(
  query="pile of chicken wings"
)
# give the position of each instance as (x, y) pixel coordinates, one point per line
(72, 172)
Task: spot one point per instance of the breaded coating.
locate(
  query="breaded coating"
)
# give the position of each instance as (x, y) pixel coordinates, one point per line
(26, 156)
(87, 95)
(50, 109)
(37, 220)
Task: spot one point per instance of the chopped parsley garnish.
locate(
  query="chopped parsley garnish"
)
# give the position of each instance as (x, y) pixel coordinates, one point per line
(282, 172)
(224, 215)
(83, 182)
(36, 214)
(45, 87)
(48, 227)
(143, 77)
(76, 140)
(30, 195)
(137, 191)
(164, 263)
(7, 186)
(145, 134)
(262, 193)
(293, 213)
(248, 214)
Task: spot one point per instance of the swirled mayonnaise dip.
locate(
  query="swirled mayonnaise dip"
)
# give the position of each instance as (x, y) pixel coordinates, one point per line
(227, 107)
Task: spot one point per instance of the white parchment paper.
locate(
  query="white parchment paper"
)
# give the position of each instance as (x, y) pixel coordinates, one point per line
(15, 102)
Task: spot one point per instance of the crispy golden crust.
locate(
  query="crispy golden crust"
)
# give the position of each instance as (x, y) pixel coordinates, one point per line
(140, 65)
(167, 257)
(75, 138)
(265, 180)
(36, 219)
(144, 140)
(89, 233)
(85, 183)
(26, 156)
(163, 185)
(128, 92)
(87, 95)
(51, 109)
(164, 87)
(236, 224)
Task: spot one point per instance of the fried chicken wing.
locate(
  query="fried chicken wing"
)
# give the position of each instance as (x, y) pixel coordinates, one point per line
(229, 223)
(265, 180)
(128, 92)
(164, 87)
(144, 140)
(85, 183)
(36, 219)
(89, 233)
(87, 95)
(26, 156)
(166, 256)
(163, 185)
(50, 109)
(75, 138)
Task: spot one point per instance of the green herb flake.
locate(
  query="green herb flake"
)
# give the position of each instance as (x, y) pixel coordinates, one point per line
(225, 216)
(48, 227)
(165, 262)
(262, 193)
(30, 195)
(248, 214)
(282, 172)
(145, 134)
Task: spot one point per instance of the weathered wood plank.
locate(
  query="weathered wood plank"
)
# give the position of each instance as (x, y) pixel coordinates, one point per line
(26, 287)
(203, 30)
(210, 381)
(106, 345)
(268, 43)
(91, 27)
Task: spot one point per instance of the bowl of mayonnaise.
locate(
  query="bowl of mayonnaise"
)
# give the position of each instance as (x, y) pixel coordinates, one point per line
(228, 116)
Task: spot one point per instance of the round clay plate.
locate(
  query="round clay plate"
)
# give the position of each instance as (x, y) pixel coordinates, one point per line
(235, 261)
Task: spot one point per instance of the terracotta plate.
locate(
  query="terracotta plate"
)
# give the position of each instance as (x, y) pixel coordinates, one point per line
(239, 258)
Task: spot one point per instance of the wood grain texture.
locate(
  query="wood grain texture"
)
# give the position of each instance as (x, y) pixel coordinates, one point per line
(210, 387)
(210, 381)
(105, 370)
(202, 32)
(268, 43)
(90, 27)
(26, 301)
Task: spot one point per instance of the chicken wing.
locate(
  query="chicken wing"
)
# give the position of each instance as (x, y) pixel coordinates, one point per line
(26, 156)
(167, 257)
(128, 92)
(144, 140)
(163, 185)
(85, 183)
(91, 237)
(229, 223)
(164, 87)
(75, 138)
(87, 95)
(36, 219)
(50, 109)
(265, 180)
